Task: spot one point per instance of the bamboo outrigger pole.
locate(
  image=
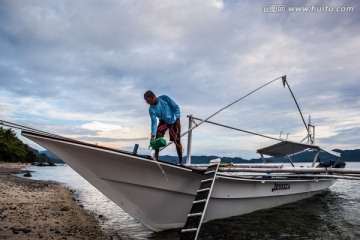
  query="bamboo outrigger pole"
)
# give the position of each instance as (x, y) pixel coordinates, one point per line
(292, 170)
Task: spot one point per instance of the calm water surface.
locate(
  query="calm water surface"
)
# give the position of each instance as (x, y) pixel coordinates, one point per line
(332, 214)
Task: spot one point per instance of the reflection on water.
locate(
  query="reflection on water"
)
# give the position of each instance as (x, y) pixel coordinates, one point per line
(318, 217)
(332, 214)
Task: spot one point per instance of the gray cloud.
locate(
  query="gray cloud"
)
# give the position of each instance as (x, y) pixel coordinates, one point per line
(83, 61)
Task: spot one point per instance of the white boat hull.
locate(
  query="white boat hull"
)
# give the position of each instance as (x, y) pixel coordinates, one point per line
(160, 195)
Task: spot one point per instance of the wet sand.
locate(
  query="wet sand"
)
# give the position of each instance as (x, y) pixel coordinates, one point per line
(31, 209)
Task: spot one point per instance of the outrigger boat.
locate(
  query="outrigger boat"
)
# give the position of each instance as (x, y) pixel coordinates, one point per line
(164, 196)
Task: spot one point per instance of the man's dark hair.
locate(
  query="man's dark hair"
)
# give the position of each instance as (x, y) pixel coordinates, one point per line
(148, 94)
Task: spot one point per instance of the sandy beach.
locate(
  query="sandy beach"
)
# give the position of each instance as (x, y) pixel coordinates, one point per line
(31, 209)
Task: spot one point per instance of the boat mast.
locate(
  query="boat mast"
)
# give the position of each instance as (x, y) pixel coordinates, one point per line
(297, 105)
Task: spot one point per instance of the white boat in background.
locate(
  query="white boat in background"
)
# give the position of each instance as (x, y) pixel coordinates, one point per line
(160, 195)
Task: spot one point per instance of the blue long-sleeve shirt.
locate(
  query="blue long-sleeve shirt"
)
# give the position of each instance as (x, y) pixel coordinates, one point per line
(165, 109)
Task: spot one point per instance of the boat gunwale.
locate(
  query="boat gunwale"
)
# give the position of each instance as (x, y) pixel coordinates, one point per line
(105, 149)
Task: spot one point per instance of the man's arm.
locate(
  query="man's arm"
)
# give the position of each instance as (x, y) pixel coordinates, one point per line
(153, 124)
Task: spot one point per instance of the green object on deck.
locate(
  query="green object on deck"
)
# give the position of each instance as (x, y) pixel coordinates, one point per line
(158, 143)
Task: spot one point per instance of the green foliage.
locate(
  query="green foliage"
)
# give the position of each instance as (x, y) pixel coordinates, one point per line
(13, 150)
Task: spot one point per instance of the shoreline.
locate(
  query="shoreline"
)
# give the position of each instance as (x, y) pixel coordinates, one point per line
(34, 209)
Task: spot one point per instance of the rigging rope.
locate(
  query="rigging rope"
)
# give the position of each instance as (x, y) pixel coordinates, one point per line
(238, 100)
(24, 128)
(238, 129)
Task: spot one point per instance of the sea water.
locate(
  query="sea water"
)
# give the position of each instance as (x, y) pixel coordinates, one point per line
(332, 214)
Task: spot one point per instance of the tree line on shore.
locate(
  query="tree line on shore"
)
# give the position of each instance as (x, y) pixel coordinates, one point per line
(12, 149)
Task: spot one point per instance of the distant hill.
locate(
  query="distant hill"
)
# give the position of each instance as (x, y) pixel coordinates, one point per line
(14, 150)
(346, 155)
(52, 156)
(349, 155)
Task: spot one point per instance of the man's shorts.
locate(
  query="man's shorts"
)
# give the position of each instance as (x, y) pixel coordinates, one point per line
(174, 131)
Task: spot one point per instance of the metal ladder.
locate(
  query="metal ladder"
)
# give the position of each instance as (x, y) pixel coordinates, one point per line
(197, 212)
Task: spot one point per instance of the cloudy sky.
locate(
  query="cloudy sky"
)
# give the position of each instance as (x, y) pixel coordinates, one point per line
(80, 69)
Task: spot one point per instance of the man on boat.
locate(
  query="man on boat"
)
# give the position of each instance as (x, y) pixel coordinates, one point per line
(168, 112)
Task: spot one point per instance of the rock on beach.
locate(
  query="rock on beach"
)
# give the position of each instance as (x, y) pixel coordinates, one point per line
(31, 209)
